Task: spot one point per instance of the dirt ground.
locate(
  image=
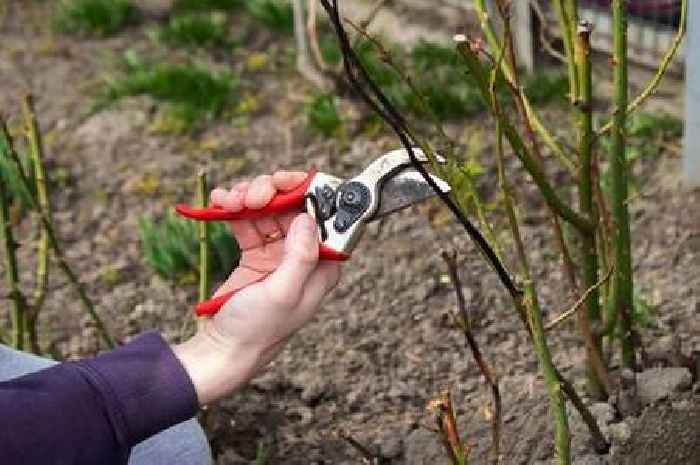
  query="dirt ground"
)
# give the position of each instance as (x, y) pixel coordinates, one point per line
(383, 346)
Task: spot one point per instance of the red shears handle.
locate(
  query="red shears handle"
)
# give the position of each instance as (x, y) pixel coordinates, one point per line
(283, 202)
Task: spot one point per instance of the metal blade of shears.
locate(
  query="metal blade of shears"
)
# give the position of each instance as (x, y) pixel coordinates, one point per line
(405, 189)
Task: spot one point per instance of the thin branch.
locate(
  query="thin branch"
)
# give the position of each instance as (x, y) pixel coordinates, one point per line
(484, 367)
(36, 150)
(568, 18)
(665, 64)
(577, 305)
(536, 121)
(19, 304)
(562, 437)
(203, 232)
(518, 95)
(479, 73)
(448, 430)
(377, 100)
(600, 444)
(369, 456)
(388, 58)
(55, 245)
(357, 75)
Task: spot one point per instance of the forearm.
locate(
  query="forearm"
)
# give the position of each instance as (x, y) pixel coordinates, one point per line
(95, 410)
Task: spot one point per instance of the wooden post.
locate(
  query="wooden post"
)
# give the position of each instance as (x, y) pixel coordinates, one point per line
(691, 142)
(522, 30)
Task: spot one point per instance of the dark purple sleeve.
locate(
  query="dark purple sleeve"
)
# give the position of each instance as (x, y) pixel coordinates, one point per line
(95, 410)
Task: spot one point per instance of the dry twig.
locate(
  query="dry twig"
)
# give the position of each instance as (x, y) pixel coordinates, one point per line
(484, 368)
(577, 305)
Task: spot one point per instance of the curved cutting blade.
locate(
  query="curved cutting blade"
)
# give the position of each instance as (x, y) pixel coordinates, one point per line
(405, 189)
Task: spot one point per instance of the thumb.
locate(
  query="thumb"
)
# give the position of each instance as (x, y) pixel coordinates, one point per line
(285, 284)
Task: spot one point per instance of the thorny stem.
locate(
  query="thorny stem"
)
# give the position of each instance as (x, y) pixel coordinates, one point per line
(11, 273)
(533, 314)
(536, 121)
(36, 149)
(203, 230)
(476, 68)
(568, 14)
(598, 438)
(597, 375)
(55, 245)
(377, 100)
(623, 285)
(533, 318)
(599, 441)
(518, 96)
(484, 367)
(357, 75)
(655, 81)
(562, 437)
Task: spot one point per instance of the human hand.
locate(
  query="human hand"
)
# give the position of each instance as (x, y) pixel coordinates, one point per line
(280, 285)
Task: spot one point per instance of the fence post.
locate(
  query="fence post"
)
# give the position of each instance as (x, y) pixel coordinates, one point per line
(522, 26)
(691, 142)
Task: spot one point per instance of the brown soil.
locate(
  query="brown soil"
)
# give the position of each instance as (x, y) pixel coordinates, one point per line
(383, 345)
(665, 435)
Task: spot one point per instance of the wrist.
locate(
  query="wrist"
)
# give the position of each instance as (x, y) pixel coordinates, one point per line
(216, 365)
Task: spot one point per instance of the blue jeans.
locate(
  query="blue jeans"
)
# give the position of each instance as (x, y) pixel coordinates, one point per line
(182, 444)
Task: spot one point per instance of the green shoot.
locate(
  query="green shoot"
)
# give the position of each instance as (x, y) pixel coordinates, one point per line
(9, 176)
(196, 30)
(645, 135)
(171, 248)
(277, 15)
(545, 87)
(261, 454)
(191, 92)
(322, 116)
(93, 17)
(207, 5)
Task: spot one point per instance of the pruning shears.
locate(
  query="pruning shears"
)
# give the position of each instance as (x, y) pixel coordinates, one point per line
(342, 208)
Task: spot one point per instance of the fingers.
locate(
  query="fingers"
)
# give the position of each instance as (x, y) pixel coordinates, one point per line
(257, 193)
(260, 192)
(288, 180)
(285, 285)
(231, 200)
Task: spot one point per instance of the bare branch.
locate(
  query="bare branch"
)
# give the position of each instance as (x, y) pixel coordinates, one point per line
(484, 368)
(577, 305)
